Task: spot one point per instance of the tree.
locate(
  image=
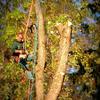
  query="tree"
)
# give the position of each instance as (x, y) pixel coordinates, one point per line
(64, 45)
(41, 53)
(75, 77)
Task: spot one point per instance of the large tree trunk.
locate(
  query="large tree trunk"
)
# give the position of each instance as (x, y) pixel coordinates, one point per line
(41, 53)
(63, 57)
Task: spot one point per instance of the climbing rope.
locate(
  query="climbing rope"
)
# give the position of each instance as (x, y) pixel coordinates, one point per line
(25, 36)
(35, 43)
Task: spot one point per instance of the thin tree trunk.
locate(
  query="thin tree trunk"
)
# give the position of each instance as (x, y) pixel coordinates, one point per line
(28, 20)
(63, 57)
(41, 53)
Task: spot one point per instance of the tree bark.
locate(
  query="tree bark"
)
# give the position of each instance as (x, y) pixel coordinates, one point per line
(63, 57)
(41, 53)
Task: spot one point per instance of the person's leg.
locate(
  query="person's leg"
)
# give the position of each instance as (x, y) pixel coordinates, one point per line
(30, 57)
(29, 75)
(24, 64)
(27, 71)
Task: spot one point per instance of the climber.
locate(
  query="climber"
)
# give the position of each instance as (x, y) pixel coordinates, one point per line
(20, 55)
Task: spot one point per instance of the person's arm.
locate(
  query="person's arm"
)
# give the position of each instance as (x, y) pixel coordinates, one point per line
(15, 48)
(19, 51)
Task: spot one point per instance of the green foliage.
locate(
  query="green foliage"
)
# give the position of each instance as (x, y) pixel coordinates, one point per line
(11, 86)
(78, 48)
(15, 15)
(55, 11)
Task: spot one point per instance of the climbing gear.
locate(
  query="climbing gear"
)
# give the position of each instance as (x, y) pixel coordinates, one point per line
(35, 57)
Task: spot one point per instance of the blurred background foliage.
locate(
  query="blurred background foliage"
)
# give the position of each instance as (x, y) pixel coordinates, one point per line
(81, 81)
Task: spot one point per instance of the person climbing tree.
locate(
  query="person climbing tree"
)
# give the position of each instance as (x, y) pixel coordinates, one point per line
(20, 55)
